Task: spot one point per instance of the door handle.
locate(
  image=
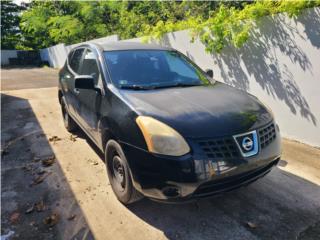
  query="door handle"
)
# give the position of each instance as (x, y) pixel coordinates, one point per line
(76, 91)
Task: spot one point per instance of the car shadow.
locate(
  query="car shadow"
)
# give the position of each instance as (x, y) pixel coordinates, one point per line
(30, 192)
(279, 206)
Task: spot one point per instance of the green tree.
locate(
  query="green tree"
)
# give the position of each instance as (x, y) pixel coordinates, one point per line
(10, 31)
(49, 23)
(34, 25)
(216, 24)
(230, 24)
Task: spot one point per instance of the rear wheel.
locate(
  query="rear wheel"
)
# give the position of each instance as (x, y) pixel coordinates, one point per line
(69, 123)
(119, 174)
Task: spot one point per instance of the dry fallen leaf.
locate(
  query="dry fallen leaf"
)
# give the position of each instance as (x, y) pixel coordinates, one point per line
(39, 179)
(27, 167)
(48, 161)
(41, 171)
(73, 138)
(251, 225)
(36, 159)
(54, 139)
(29, 210)
(40, 206)
(93, 162)
(72, 217)
(15, 217)
(51, 220)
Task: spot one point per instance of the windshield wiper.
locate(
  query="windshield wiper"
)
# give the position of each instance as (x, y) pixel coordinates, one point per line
(139, 87)
(178, 85)
(136, 87)
(186, 84)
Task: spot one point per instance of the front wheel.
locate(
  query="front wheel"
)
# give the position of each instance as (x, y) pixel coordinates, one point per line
(119, 174)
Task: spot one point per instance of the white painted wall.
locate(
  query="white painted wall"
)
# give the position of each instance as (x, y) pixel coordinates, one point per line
(6, 54)
(280, 65)
(55, 55)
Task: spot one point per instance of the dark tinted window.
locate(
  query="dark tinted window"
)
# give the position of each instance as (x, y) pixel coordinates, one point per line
(89, 65)
(76, 59)
(152, 68)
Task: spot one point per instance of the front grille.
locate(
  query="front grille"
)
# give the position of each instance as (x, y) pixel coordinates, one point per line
(267, 135)
(226, 148)
(222, 148)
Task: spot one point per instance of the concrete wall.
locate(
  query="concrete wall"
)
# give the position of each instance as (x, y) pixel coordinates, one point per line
(55, 55)
(6, 54)
(280, 65)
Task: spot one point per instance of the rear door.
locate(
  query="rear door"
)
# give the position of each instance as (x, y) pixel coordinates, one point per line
(74, 62)
(90, 99)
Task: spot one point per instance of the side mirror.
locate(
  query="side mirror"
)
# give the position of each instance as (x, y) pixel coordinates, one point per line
(209, 72)
(84, 82)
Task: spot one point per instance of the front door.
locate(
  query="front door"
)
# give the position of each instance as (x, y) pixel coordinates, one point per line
(90, 99)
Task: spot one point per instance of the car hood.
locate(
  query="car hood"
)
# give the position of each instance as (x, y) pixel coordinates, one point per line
(201, 111)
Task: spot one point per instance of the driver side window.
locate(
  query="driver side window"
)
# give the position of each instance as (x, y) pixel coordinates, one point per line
(90, 66)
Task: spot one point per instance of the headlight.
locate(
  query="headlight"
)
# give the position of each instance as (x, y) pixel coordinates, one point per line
(161, 138)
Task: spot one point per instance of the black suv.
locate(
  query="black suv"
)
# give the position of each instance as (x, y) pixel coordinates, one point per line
(167, 129)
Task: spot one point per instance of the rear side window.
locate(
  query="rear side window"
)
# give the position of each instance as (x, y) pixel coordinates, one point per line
(76, 60)
(89, 65)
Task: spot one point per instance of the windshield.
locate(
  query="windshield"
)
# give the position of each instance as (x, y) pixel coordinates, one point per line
(149, 69)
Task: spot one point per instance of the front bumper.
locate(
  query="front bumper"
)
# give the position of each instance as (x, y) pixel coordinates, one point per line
(195, 175)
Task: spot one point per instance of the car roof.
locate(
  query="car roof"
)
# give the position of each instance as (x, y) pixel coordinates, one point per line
(113, 46)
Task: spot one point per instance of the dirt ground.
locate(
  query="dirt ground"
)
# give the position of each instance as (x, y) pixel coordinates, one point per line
(23, 78)
(72, 199)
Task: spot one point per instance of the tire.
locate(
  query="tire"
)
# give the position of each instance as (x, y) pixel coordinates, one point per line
(69, 123)
(119, 174)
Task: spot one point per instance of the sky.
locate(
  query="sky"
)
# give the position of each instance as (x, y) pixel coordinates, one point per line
(18, 2)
